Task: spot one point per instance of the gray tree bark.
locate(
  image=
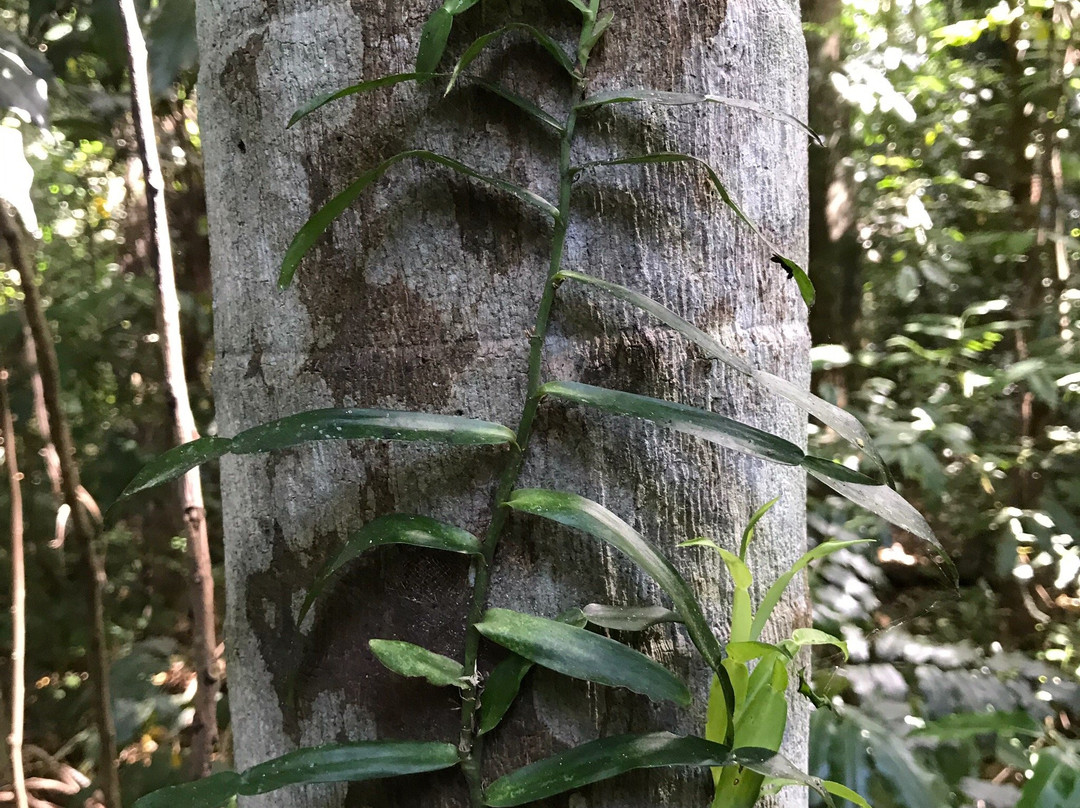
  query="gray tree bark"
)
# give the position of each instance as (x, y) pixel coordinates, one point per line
(421, 297)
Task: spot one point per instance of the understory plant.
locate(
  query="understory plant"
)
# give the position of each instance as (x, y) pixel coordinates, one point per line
(747, 711)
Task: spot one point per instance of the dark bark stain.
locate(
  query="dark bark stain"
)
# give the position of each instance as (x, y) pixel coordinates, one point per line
(240, 79)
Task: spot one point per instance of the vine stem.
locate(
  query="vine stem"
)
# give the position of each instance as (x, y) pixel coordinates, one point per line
(470, 742)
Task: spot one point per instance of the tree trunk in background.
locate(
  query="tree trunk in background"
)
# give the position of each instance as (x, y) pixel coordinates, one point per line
(85, 531)
(422, 297)
(204, 728)
(834, 246)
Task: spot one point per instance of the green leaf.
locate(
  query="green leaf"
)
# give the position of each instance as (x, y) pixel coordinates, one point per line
(354, 424)
(599, 29)
(886, 503)
(596, 520)
(629, 618)
(748, 531)
(961, 726)
(811, 636)
(351, 762)
(363, 87)
(761, 719)
(773, 764)
(394, 528)
(842, 422)
(526, 105)
(176, 462)
(581, 654)
(322, 218)
(806, 288)
(837, 471)
(845, 793)
(456, 7)
(210, 792)
(500, 689)
(743, 652)
(410, 660)
(581, 6)
(707, 425)
(683, 99)
(776, 591)
(741, 608)
(502, 685)
(477, 47)
(601, 760)
(433, 41)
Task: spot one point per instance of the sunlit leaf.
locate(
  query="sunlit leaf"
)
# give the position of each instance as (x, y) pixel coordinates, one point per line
(707, 425)
(741, 608)
(628, 618)
(886, 503)
(410, 660)
(773, 764)
(597, 521)
(776, 591)
(757, 516)
(960, 726)
(353, 424)
(682, 99)
(175, 463)
(581, 654)
(322, 218)
(210, 792)
(811, 636)
(351, 762)
(362, 87)
(394, 528)
(600, 760)
(743, 652)
(842, 422)
(477, 47)
(806, 288)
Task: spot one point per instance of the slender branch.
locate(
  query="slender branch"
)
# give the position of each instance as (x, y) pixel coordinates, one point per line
(18, 598)
(84, 529)
(470, 743)
(200, 581)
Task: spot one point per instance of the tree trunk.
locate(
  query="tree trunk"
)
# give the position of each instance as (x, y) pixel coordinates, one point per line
(204, 727)
(422, 298)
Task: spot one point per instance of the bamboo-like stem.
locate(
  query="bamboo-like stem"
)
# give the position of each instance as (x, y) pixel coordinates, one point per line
(18, 599)
(84, 528)
(470, 743)
(200, 581)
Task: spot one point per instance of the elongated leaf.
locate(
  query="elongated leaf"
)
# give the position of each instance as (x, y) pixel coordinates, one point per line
(500, 689)
(748, 531)
(322, 218)
(837, 471)
(707, 425)
(601, 760)
(410, 660)
(596, 520)
(433, 41)
(960, 726)
(776, 591)
(502, 686)
(629, 618)
(394, 528)
(844, 793)
(353, 424)
(806, 288)
(477, 47)
(526, 105)
(362, 87)
(456, 7)
(602, 24)
(581, 654)
(682, 99)
(210, 792)
(842, 422)
(741, 608)
(351, 762)
(175, 463)
(773, 764)
(744, 652)
(581, 6)
(886, 503)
